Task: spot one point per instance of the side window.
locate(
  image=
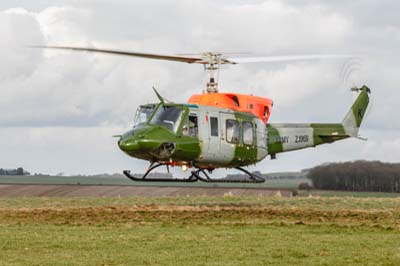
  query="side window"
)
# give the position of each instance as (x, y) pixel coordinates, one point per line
(232, 131)
(214, 126)
(248, 136)
(191, 127)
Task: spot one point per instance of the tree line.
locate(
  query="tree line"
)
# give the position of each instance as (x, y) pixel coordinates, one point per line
(357, 176)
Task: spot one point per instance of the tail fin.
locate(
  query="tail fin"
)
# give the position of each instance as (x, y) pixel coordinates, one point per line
(354, 117)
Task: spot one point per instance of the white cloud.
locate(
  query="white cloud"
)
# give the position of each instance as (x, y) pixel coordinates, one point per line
(65, 24)
(17, 26)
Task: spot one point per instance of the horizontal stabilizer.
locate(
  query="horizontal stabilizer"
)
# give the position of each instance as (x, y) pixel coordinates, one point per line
(329, 138)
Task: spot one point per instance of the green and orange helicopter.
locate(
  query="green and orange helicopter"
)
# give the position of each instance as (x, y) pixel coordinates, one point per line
(221, 130)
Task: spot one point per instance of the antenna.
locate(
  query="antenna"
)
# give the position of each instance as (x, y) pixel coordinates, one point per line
(158, 95)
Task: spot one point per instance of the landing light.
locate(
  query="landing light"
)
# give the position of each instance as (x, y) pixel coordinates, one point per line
(184, 168)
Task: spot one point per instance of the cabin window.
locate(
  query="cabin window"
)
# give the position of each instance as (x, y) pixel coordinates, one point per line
(191, 126)
(214, 126)
(232, 131)
(248, 137)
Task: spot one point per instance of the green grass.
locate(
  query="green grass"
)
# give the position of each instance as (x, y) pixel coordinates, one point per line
(197, 245)
(200, 231)
(356, 194)
(320, 203)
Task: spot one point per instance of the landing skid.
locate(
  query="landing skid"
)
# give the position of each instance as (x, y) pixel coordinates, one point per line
(127, 173)
(196, 176)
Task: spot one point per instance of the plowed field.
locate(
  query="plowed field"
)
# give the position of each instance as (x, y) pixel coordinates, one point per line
(123, 191)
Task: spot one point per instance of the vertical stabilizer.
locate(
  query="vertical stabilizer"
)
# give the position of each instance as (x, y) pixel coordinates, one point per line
(354, 117)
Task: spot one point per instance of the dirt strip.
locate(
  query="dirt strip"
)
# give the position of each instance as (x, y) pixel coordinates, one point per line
(123, 191)
(150, 214)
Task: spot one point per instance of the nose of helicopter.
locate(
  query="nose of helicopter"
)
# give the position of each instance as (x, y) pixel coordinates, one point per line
(133, 143)
(147, 142)
(128, 145)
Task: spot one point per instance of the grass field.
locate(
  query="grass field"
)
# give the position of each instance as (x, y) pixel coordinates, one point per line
(200, 231)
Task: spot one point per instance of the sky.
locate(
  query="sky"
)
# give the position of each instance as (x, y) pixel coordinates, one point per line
(59, 110)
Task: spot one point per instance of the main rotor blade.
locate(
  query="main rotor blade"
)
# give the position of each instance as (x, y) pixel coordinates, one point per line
(288, 58)
(206, 58)
(119, 52)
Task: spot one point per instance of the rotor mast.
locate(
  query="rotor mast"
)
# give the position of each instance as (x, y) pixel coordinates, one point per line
(212, 64)
(212, 86)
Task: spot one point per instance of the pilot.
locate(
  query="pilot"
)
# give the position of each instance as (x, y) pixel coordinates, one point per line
(185, 130)
(193, 130)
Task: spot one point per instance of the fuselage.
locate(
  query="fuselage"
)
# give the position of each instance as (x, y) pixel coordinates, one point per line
(196, 135)
(209, 137)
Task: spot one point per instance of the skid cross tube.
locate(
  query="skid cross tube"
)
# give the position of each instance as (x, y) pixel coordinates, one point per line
(207, 179)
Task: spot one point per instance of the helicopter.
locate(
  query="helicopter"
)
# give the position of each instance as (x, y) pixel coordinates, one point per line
(221, 130)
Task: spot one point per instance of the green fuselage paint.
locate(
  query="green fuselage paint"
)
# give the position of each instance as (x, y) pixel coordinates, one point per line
(275, 141)
(245, 153)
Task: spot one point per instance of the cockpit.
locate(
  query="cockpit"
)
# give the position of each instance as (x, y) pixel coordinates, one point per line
(169, 116)
(143, 114)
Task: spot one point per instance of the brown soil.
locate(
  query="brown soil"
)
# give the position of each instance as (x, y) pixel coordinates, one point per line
(156, 214)
(212, 213)
(123, 191)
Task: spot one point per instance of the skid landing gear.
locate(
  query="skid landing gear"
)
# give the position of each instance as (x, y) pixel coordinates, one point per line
(127, 173)
(196, 175)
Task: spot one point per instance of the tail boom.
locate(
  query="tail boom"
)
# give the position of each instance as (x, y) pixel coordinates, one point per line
(289, 137)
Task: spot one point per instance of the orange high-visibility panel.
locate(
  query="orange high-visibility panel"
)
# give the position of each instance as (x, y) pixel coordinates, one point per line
(258, 106)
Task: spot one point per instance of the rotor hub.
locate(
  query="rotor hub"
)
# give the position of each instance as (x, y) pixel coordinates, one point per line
(212, 62)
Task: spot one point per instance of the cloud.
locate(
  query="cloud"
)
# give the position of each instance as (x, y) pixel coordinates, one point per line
(18, 26)
(83, 89)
